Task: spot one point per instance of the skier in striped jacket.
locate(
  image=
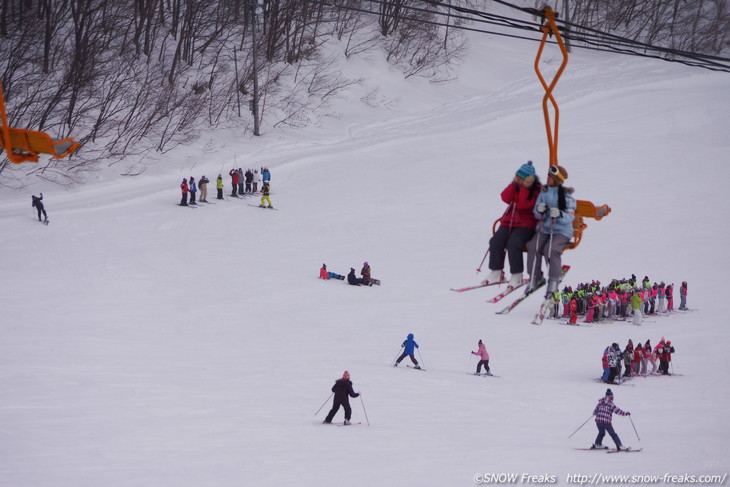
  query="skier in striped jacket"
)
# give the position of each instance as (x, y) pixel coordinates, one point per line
(603, 413)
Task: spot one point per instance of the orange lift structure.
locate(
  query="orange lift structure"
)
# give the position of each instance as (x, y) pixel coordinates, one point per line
(23, 145)
(584, 209)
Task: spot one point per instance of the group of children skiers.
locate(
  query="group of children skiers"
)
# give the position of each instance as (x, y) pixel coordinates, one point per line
(636, 360)
(618, 301)
(190, 188)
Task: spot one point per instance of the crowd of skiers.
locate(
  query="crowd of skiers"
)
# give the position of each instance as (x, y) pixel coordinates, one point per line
(365, 278)
(241, 185)
(620, 300)
(636, 360)
(248, 182)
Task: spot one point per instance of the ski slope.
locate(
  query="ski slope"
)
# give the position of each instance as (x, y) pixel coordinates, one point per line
(144, 344)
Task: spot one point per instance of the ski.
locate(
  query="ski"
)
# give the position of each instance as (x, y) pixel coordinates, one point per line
(592, 449)
(343, 424)
(415, 368)
(581, 325)
(629, 450)
(187, 206)
(264, 207)
(478, 286)
(544, 309)
(507, 291)
(484, 375)
(514, 304)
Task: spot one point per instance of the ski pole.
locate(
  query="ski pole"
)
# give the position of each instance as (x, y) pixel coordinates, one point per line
(632, 424)
(579, 427)
(396, 357)
(479, 269)
(363, 409)
(534, 253)
(320, 408)
(419, 355)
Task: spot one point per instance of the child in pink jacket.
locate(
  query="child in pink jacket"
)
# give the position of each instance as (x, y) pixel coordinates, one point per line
(484, 356)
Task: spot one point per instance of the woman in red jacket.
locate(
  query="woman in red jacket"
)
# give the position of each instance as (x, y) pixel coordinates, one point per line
(516, 227)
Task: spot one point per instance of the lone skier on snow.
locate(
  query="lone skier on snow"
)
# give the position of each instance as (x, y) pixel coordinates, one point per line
(603, 413)
(343, 392)
(38, 205)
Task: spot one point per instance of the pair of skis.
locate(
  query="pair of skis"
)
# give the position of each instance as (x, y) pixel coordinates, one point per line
(607, 450)
(499, 296)
(543, 308)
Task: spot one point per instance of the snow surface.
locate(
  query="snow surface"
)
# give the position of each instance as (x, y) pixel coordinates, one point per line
(144, 344)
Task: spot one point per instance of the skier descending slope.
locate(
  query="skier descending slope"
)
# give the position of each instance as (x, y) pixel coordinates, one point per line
(484, 359)
(603, 413)
(409, 346)
(37, 203)
(343, 392)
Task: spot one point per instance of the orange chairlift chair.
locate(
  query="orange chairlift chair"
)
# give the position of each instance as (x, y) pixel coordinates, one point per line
(584, 209)
(23, 145)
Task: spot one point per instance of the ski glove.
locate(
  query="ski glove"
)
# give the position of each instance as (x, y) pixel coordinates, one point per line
(541, 208)
(554, 213)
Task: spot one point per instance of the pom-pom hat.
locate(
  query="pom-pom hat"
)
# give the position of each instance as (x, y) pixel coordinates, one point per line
(526, 170)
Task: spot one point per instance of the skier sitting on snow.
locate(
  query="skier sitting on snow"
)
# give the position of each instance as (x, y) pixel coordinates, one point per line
(516, 227)
(603, 413)
(409, 346)
(324, 274)
(365, 273)
(353, 279)
(555, 211)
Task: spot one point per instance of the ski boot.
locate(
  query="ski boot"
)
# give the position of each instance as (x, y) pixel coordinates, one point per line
(514, 281)
(494, 277)
(347, 421)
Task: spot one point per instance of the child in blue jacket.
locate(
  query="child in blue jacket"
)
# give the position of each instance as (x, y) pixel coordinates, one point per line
(409, 346)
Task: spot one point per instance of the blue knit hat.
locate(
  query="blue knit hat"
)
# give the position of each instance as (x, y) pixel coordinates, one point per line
(526, 170)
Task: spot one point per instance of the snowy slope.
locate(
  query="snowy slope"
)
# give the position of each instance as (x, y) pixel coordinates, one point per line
(144, 344)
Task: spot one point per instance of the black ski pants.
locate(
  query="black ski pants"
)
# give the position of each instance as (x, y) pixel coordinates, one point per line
(413, 359)
(184, 200)
(42, 210)
(485, 363)
(511, 240)
(336, 407)
(220, 193)
(612, 375)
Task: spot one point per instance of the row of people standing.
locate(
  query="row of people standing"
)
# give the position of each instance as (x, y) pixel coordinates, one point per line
(248, 182)
(636, 360)
(190, 188)
(539, 217)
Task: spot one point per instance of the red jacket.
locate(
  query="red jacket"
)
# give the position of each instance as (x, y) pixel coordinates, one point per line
(519, 212)
(184, 187)
(234, 176)
(323, 274)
